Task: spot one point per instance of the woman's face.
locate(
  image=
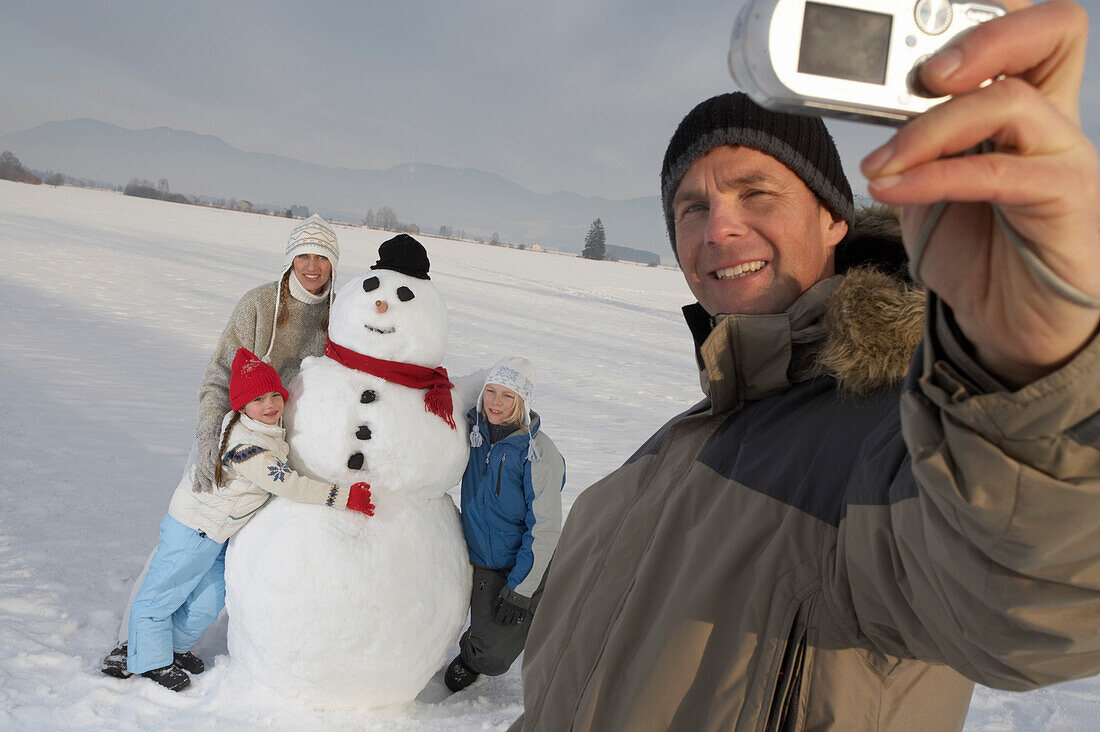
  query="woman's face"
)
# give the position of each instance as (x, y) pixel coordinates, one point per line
(313, 271)
(497, 402)
(266, 408)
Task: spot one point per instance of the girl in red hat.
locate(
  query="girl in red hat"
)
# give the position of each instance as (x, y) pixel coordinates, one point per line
(184, 590)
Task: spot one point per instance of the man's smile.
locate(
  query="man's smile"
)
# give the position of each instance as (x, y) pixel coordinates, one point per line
(741, 270)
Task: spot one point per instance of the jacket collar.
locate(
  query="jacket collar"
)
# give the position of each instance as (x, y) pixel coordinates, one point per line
(860, 328)
(255, 425)
(748, 357)
(473, 417)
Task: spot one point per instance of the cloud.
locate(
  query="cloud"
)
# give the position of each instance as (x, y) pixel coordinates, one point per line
(580, 96)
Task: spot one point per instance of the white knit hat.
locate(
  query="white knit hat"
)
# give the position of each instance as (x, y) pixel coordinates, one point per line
(312, 236)
(515, 373)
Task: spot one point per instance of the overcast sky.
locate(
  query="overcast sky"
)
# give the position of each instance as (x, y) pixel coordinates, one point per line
(560, 95)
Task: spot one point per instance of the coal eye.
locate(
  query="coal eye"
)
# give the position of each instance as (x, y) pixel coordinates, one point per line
(371, 283)
(404, 294)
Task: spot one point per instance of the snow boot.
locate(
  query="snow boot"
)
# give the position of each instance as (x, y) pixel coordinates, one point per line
(171, 677)
(190, 663)
(459, 675)
(115, 663)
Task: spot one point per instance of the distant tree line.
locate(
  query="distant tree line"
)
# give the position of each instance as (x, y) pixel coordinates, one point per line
(146, 189)
(452, 233)
(161, 191)
(12, 169)
(386, 218)
(595, 241)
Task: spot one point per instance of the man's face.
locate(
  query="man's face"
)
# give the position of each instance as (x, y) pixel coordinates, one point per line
(751, 236)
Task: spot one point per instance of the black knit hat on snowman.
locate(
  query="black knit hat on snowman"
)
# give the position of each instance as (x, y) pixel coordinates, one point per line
(801, 143)
(405, 255)
(515, 373)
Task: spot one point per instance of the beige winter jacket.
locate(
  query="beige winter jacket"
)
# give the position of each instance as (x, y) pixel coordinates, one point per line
(255, 465)
(843, 552)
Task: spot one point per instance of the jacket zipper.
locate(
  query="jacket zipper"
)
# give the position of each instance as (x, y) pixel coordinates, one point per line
(783, 716)
(499, 471)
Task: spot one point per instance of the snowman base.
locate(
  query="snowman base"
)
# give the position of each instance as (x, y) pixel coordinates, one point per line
(345, 611)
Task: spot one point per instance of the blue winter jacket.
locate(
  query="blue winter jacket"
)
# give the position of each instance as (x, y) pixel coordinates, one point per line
(511, 506)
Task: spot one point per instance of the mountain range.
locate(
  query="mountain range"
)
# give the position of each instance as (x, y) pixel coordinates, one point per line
(430, 196)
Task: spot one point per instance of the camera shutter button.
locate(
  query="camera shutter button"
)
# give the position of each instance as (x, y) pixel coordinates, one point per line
(914, 83)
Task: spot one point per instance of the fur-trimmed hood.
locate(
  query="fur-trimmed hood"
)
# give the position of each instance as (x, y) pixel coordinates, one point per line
(860, 327)
(873, 323)
(875, 318)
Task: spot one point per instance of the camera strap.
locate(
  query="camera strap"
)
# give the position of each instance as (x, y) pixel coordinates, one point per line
(1038, 267)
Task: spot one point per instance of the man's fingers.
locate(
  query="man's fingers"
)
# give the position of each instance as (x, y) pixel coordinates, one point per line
(1011, 113)
(1031, 43)
(997, 178)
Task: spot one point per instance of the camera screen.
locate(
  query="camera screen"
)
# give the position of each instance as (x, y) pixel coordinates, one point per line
(844, 43)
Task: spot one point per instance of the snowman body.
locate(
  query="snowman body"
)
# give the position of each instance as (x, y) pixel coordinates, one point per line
(334, 607)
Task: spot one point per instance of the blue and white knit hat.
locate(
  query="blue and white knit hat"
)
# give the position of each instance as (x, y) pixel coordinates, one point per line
(515, 373)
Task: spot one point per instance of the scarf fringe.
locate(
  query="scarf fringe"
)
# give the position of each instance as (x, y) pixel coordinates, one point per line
(438, 402)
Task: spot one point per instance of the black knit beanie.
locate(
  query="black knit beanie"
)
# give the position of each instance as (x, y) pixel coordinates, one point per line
(801, 143)
(405, 255)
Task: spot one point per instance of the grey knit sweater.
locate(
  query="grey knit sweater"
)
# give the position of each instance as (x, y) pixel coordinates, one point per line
(250, 327)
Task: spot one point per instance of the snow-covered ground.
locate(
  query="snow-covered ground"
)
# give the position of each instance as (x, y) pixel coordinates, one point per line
(110, 308)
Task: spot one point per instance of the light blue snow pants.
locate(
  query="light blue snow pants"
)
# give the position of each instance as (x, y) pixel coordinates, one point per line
(181, 597)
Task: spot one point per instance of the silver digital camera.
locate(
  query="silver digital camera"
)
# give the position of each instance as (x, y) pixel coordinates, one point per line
(854, 59)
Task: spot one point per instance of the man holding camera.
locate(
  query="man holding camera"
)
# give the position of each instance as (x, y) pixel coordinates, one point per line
(827, 541)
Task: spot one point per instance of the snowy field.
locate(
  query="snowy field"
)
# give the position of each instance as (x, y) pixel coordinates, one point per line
(111, 307)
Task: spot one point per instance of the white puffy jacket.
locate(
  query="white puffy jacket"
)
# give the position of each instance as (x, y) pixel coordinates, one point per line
(255, 466)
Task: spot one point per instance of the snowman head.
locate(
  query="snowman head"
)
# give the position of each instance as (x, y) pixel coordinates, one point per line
(393, 312)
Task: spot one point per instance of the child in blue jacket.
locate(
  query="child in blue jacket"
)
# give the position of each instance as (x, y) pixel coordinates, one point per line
(511, 516)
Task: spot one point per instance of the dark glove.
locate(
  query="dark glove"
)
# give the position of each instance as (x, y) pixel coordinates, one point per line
(511, 608)
(359, 499)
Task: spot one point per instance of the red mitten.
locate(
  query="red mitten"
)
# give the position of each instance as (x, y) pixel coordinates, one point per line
(359, 498)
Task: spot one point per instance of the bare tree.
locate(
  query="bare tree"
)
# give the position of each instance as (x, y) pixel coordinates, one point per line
(386, 218)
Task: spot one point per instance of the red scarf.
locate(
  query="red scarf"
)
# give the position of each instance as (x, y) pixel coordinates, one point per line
(437, 400)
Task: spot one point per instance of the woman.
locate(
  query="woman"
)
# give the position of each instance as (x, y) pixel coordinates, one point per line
(511, 516)
(285, 320)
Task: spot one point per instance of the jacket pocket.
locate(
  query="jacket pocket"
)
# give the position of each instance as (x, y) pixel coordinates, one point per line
(783, 715)
(248, 514)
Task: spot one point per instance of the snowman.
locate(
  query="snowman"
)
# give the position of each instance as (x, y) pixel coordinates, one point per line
(333, 607)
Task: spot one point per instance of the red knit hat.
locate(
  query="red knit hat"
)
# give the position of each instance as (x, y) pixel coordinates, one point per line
(251, 378)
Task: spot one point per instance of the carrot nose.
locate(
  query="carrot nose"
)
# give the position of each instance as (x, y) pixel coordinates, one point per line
(381, 306)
